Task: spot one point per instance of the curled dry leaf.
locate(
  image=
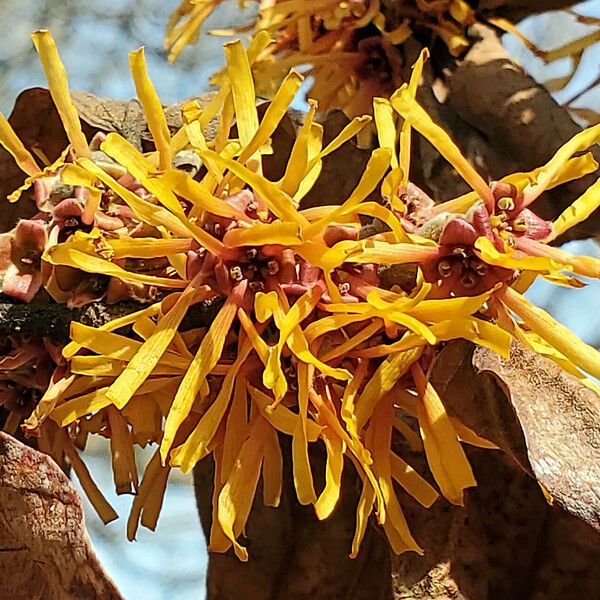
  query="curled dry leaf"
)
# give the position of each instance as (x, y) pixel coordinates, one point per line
(538, 414)
(45, 551)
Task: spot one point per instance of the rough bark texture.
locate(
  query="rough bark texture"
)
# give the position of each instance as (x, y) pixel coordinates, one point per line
(45, 552)
(506, 542)
(293, 555)
(535, 412)
(54, 320)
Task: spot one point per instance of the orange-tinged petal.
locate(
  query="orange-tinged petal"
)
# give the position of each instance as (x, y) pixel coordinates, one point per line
(72, 347)
(383, 380)
(140, 167)
(197, 445)
(297, 163)
(372, 251)
(489, 254)
(207, 356)
(363, 511)
(258, 234)
(353, 128)
(376, 167)
(101, 505)
(558, 336)
(236, 429)
(407, 107)
(149, 354)
(186, 187)
(64, 254)
(412, 482)
(363, 335)
(75, 408)
(49, 170)
(242, 89)
(153, 473)
(272, 471)
(410, 435)
(586, 266)
(260, 346)
(282, 418)
(468, 436)
(277, 200)
(155, 215)
(123, 457)
(386, 128)
(303, 480)
(379, 439)
(235, 499)
(47, 402)
(577, 212)
(275, 112)
(546, 174)
(405, 133)
(334, 466)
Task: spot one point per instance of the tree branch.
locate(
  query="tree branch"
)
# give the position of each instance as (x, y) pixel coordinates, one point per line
(519, 118)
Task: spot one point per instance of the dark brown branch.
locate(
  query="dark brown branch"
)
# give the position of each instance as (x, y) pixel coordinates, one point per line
(54, 320)
(515, 10)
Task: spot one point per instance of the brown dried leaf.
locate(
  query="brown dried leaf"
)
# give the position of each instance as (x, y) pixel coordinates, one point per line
(45, 551)
(534, 411)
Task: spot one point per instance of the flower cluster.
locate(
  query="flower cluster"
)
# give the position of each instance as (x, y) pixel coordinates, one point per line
(306, 342)
(353, 49)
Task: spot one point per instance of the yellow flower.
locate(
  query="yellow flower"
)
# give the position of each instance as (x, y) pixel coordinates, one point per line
(305, 341)
(350, 48)
(490, 240)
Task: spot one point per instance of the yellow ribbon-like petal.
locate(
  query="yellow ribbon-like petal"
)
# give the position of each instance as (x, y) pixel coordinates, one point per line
(59, 90)
(447, 460)
(155, 116)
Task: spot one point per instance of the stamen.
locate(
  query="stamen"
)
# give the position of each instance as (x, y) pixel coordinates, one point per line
(506, 203)
(479, 267)
(445, 268)
(273, 267)
(236, 273)
(520, 224)
(344, 288)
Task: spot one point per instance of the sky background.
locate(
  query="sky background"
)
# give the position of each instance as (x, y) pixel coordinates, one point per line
(94, 38)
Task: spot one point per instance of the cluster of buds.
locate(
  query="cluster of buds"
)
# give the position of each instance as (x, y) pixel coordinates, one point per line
(459, 269)
(63, 209)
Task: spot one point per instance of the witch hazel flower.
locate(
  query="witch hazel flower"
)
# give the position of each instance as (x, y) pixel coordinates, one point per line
(308, 342)
(491, 240)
